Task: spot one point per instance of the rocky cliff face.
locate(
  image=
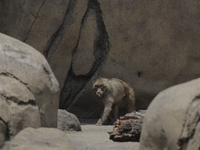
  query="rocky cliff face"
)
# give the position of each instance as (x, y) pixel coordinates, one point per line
(150, 44)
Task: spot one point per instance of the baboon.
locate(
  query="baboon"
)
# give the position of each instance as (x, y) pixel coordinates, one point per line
(112, 92)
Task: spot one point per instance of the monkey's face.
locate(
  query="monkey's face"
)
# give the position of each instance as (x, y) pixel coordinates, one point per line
(100, 90)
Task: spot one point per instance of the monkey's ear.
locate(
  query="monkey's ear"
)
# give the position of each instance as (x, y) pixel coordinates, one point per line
(94, 81)
(94, 84)
(94, 87)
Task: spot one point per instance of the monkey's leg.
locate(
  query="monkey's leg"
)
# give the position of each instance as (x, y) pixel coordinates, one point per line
(115, 111)
(105, 114)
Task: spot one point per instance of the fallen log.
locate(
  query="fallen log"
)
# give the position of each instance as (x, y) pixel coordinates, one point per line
(128, 127)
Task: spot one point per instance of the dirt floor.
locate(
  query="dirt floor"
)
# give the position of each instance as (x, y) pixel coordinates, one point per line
(96, 138)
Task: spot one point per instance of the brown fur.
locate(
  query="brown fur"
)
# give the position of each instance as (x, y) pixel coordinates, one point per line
(112, 92)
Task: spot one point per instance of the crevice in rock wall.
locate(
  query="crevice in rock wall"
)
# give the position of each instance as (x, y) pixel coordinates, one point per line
(34, 21)
(7, 129)
(7, 74)
(48, 74)
(58, 36)
(192, 118)
(75, 85)
(18, 101)
(29, 102)
(45, 70)
(2, 121)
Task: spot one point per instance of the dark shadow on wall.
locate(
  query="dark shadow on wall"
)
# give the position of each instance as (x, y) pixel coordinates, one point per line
(75, 85)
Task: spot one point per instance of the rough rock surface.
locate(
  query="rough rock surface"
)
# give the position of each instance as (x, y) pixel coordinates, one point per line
(67, 121)
(149, 44)
(172, 119)
(18, 108)
(41, 139)
(28, 89)
(31, 75)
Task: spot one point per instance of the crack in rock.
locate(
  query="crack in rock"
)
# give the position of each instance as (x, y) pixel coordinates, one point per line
(7, 74)
(15, 99)
(18, 101)
(48, 74)
(1, 119)
(34, 21)
(7, 135)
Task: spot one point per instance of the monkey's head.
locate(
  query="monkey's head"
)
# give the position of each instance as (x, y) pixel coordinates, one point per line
(100, 90)
(100, 87)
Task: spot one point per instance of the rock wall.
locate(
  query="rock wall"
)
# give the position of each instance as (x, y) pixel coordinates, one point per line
(150, 44)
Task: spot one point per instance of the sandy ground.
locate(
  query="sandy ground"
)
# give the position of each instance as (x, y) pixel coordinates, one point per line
(96, 138)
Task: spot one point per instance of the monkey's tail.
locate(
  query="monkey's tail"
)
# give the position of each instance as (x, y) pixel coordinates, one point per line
(131, 100)
(130, 97)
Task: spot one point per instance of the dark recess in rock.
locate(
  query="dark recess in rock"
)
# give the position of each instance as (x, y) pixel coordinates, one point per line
(139, 74)
(74, 85)
(7, 129)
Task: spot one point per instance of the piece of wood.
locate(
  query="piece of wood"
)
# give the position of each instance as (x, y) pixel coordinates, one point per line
(128, 127)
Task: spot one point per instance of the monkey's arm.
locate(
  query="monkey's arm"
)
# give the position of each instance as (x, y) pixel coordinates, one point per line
(107, 109)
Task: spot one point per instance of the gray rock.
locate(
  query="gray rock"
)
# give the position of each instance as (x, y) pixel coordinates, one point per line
(21, 62)
(172, 119)
(67, 121)
(18, 108)
(41, 139)
(29, 91)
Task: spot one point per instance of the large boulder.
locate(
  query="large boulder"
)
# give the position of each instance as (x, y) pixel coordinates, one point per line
(41, 139)
(172, 119)
(21, 62)
(149, 44)
(29, 91)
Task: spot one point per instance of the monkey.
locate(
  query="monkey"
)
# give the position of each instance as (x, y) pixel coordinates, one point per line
(112, 92)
